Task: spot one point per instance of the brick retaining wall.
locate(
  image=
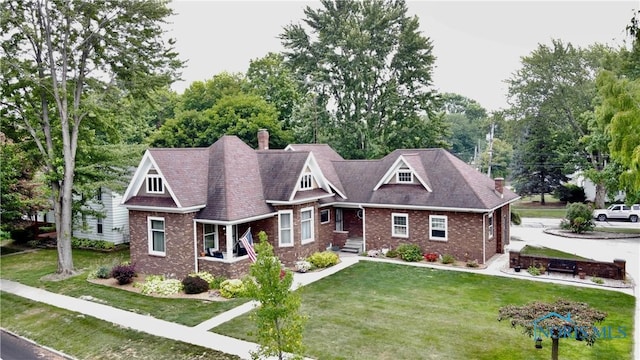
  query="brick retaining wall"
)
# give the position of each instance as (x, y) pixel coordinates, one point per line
(610, 270)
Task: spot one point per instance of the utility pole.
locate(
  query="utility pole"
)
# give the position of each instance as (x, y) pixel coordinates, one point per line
(490, 139)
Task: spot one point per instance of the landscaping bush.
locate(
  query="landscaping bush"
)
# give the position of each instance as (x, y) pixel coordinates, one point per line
(232, 288)
(515, 218)
(22, 235)
(208, 277)
(448, 259)
(103, 272)
(472, 263)
(124, 273)
(158, 284)
(91, 244)
(392, 254)
(303, 266)
(194, 285)
(570, 193)
(431, 257)
(323, 259)
(409, 252)
(533, 271)
(578, 218)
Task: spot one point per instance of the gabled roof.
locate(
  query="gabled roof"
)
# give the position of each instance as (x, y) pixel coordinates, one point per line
(325, 155)
(412, 161)
(454, 184)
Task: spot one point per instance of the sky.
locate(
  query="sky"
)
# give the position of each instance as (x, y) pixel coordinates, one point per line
(478, 44)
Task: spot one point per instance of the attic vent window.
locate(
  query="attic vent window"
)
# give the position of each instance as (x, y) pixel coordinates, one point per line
(306, 182)
(154, 184)
(404, 176)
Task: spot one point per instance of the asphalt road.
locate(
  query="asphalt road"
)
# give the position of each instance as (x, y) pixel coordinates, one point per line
(15, 348)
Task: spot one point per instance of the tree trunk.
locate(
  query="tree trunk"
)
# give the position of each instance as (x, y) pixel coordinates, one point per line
(601, 193)
(542, 198)
(554, 348)
(64, 221)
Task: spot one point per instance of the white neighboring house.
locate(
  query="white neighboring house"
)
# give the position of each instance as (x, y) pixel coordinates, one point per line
(589, 187)
(113, 227)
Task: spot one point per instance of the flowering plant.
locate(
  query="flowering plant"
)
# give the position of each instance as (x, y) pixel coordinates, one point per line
(303, 266)
(431, 257)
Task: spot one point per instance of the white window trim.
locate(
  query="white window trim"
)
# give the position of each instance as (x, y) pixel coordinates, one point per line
(290, 213)
(311, 222)
(393, 225)
(446, 228)
(490, 224)
(99, 226)
(158, 181)
(399, 181)
(306, 181)
(150, 236)
(216, 246)
(328, 216)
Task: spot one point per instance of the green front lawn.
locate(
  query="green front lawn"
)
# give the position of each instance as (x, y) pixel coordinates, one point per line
(550, 253)
(29, 268)
(388, 311)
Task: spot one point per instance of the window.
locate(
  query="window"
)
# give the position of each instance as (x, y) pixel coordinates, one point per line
(306, 182)
(154, 184)
(324, 216)
(437, 227)
(285, 230)
(99, 194)
(99, 226)
(339, 226)
(156, 236)
(490, 224)
(404, 176)
(209, 239)
(400, 225)
(306, 225)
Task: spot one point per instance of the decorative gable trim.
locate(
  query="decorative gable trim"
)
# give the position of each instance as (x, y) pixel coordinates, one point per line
(310, 175)
(140, 178)
(403, 173)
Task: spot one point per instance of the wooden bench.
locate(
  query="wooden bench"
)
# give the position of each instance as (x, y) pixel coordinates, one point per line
(562, 265)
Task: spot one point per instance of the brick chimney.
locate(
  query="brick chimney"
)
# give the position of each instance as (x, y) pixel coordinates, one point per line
(263, 139)
(499, 185)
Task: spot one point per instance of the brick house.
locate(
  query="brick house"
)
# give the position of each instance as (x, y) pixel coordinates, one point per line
(189, 207)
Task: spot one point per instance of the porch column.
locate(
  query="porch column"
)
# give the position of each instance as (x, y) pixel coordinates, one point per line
(229, 241)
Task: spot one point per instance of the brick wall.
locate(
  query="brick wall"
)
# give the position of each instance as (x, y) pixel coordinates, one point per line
(610, 270)
(179, 259)
(465, 233)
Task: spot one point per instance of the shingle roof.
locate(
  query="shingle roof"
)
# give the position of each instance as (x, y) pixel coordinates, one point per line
(325, 155)
(185, 170)
(234, 189)
(280, 170)
(455, 184)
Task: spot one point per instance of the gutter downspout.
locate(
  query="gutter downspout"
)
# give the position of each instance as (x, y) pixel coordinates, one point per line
(484, 240)
(364, 230)
(195, 246)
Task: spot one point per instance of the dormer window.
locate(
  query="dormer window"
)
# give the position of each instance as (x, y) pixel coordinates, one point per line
(154, 184)
(404, 176)
(306, 182)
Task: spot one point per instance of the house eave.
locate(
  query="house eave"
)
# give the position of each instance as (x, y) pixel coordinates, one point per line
(236, 222)
(299, 201)
(416, 207)
(182, 210)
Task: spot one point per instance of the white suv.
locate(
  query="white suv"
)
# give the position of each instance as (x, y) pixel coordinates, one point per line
(618, 212)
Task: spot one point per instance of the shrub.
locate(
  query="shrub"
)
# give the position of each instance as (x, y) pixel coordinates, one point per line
(323, 259)
(158, 284)
(232, 288)
(216, 282)
(392, 253)
(515, 218)
(448, 259)
(208, 277)
(597, 280)
(22, 235)
(195, 285)
(533, 270)
(578, 218)
(103, 272)
(409, 252)
(431, 257)
(472, 263)
(303, 266)
(570, 193)
(124, 273)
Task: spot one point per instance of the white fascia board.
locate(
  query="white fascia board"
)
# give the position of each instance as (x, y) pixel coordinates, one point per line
(164, 209)
(317, 174)
(392, 170)
(138, 177)
(236, 222)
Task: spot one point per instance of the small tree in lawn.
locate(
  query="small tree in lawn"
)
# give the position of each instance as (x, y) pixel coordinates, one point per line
(579, 218)
(278, 319)
(562, 318)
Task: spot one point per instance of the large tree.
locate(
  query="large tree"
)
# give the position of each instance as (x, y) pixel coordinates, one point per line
(552, 89)
(372, 70)
(468, 124)
(59, 59)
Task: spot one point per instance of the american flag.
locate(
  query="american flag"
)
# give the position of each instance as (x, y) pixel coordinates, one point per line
(247, 242)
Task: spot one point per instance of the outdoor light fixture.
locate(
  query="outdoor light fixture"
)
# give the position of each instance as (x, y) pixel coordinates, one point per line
(538, 342)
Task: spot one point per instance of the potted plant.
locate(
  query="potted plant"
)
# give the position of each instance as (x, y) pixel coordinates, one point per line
(517, 268)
